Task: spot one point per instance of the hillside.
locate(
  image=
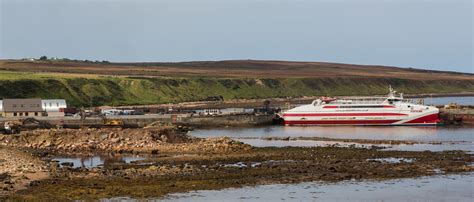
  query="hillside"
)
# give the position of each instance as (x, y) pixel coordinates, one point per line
(231, 68)
(153, 83)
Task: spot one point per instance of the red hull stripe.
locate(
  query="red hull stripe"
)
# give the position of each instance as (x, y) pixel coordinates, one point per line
(342, 122)
(347, 114)
(432, 118)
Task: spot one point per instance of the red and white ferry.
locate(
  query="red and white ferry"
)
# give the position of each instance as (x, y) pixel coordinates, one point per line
(390, 110)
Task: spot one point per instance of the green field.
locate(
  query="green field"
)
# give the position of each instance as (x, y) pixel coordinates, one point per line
(78, 90)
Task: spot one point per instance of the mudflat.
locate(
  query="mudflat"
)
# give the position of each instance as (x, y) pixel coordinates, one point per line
(196, 164)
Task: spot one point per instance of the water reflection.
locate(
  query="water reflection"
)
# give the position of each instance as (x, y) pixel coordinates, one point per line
(348, 132)
(96, 161)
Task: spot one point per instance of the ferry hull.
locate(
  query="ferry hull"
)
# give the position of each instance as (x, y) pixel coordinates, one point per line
(364, 120)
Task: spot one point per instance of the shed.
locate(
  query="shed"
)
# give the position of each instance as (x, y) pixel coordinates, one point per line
(54, 107)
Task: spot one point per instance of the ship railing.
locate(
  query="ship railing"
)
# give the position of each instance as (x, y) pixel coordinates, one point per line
(358, 102)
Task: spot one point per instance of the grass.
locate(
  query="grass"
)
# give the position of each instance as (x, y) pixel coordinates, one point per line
(18, 75)
(78, 89)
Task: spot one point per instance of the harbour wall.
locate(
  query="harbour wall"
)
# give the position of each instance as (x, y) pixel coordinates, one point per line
(458, 116)
(132, 121)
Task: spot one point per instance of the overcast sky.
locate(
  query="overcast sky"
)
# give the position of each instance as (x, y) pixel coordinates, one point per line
(430, 34)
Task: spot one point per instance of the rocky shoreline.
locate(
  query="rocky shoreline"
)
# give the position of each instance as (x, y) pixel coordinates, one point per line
(18, 169)
(175, 162)
(117, 140)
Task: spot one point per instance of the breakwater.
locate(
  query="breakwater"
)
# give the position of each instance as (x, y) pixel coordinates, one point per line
(138, 121)
(462, 115)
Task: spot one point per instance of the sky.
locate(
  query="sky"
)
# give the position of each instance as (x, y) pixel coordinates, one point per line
(428, 34)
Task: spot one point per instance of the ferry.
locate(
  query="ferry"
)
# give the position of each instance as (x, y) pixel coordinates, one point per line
(388, 110)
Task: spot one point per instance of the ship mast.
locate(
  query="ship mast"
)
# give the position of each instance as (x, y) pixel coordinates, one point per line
(391, 94)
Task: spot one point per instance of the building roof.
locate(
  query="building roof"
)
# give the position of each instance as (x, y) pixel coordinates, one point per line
(22, 105)
(53, 105)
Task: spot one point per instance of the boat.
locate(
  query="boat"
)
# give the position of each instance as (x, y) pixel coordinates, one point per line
(390, 110)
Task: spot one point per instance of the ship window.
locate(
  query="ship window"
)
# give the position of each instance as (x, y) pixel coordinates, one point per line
(362, 106)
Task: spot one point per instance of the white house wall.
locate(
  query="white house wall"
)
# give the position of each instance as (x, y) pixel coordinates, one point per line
(53, 105)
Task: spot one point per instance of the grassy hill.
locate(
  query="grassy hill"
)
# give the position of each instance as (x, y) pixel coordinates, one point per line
(153, 83)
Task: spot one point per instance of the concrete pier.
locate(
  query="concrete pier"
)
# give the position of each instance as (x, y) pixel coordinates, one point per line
(457, 116)
(143, 120)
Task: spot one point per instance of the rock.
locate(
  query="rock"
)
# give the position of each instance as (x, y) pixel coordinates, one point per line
(4, 176)
(67, 164)
(164, 138)
(34, 183)
(115, 140)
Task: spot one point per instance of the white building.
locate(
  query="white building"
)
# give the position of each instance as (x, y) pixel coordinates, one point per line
(1, 107)
(54, 107)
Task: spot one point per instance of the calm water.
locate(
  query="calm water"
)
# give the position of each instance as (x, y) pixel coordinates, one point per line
(440, 133)
(435, 188)
(447, 100)
(452, 138)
